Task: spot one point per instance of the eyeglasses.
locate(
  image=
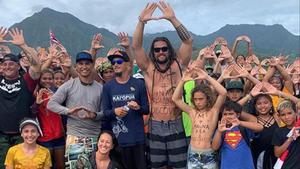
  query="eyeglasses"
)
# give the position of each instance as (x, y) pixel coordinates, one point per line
(119, 61)
(163, 49)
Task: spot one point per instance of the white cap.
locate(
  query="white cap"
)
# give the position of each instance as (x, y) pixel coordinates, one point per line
(33, 122)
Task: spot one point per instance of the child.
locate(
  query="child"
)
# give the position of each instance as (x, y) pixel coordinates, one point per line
(204, 117)
(283, 141)
(28, 154)
(232, 138)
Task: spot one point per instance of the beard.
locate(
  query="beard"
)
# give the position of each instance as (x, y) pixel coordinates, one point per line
(162, 61)
(119, 74)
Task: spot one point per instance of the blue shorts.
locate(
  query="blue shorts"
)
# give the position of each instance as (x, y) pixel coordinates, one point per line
(54, 144)
(202, 159)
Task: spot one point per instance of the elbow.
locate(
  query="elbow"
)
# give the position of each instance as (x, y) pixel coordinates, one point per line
(215, 147)
(277, 153)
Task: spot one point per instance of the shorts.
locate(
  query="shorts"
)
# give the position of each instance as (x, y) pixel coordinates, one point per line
(206, 158)
(78, 150)
(168, 144)
(54, 144)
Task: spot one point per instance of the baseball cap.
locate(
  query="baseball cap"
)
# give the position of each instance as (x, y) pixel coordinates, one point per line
(235, 85)
(119, 54)
(11, 57)
(34, 122)
(83, 56)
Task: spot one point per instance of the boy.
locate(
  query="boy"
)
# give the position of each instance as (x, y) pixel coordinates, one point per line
(287, 138)
(232, 138)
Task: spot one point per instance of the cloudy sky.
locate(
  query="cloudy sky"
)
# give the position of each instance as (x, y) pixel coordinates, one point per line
(199, 16)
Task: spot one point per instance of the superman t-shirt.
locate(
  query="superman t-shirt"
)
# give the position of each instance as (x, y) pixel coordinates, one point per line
(235, 153)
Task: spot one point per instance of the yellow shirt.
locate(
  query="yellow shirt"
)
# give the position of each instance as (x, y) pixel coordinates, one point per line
(19, 160)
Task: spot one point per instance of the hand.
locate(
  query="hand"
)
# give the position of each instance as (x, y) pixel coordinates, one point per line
(133, 105)
(256, 89)
(235, 122)
(265, 62)
(17, 37)
(243, 38)
(119, 111)
(295, 133)
(167, 10)
(97, 42)
(67, 62)
(53, 52)
(42, 93)
(74, 110)
(273, 61)
(201, 74)
(124, 40)
(225, 52)
(269, 88)
(3, 33)
(112, 51)
(222, 125)
(4, 49)
(243, 72)
(146, 14)
(227, 71)
(209, 53)
(282, 60)
(86, 114)
(188, 75)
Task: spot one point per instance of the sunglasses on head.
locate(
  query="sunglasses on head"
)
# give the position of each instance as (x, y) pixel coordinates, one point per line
(163, 49)
(118, 61)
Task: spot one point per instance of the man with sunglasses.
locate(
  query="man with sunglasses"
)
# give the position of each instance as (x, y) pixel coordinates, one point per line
(80, 99)
(124, 104)
(162, 70)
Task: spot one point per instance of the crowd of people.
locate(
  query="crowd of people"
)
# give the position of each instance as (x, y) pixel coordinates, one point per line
(138, 110)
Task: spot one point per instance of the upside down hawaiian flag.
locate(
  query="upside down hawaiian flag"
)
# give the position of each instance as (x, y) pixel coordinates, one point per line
(284, 155)
(53, 38)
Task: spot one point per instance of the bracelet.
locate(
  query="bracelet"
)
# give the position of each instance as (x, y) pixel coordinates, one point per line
(183, 32)
(140, 19)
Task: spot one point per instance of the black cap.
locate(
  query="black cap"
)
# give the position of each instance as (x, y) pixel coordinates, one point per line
(11, 57)
(235, 85)
(83, 56)
(119, 54)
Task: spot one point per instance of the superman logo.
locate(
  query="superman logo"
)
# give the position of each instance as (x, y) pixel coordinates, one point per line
(233, 138)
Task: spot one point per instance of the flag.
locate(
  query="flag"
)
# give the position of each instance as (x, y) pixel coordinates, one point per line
(53, 38)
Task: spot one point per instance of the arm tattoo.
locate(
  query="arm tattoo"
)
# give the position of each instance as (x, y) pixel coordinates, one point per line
(183, 32)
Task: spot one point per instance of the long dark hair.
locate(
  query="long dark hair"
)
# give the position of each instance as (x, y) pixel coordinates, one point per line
(268, 97)
(170, 59)
(115, 152)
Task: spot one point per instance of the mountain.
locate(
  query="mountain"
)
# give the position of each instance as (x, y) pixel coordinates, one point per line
(76, 35)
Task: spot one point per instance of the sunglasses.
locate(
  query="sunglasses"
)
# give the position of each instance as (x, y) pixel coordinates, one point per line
(119, 61)
(163, 49)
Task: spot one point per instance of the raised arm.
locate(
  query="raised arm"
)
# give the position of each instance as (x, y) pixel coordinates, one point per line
(137, 41)
(178, 93)
(286, 77)
(18, 39)
(96, 44)
(218, 88)
(185, 50)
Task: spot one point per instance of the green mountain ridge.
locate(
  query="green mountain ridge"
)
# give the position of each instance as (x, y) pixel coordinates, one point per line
(76, 35)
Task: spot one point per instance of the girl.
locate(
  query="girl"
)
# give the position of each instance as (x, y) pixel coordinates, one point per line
(28, 154)
(51, 123)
